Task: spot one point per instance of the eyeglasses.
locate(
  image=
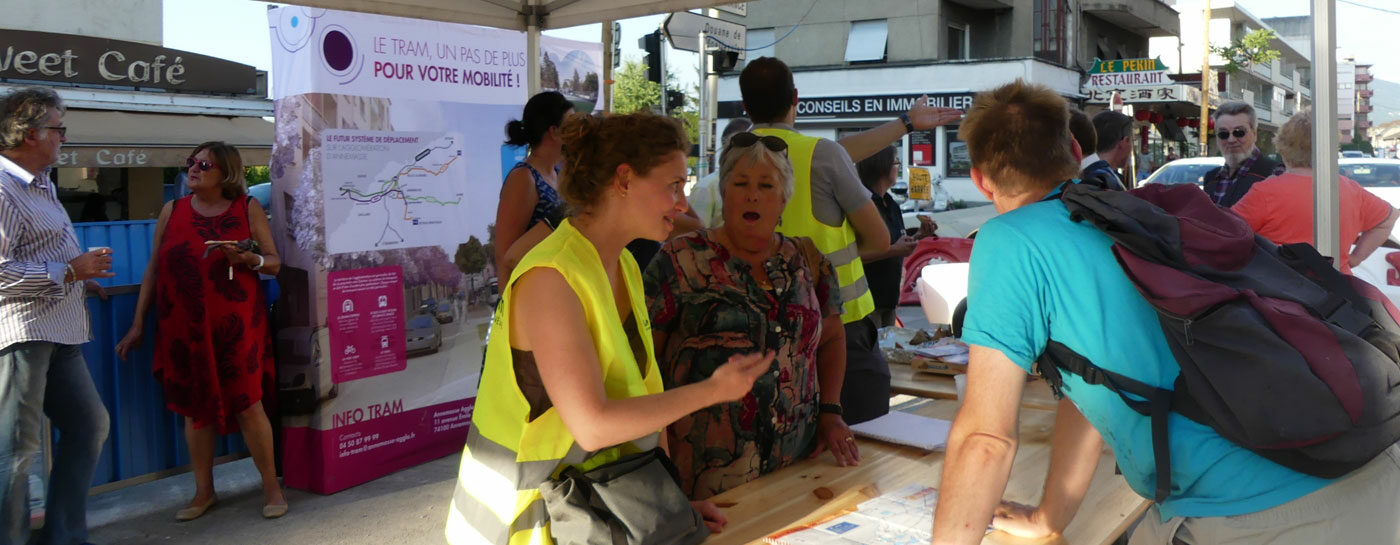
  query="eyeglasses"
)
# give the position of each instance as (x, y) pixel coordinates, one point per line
(204, 166)
(1225, 135)
(62, 131)
(746, 139)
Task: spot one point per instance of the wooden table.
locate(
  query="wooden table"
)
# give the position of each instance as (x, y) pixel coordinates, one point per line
(794, 495)
(905, 380)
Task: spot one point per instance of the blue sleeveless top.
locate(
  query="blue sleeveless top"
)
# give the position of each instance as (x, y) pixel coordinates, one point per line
(549, 202)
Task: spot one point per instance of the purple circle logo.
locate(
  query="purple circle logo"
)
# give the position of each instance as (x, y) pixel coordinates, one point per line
(338, 51)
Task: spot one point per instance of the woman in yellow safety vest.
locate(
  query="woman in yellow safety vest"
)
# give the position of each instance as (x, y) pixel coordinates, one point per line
(570, 377)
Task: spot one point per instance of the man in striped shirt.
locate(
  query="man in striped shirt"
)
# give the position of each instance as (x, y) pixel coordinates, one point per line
(43, 323)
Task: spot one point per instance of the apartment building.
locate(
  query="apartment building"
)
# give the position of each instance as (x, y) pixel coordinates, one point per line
(1362, 127)
(857, 64)
(1277, 89)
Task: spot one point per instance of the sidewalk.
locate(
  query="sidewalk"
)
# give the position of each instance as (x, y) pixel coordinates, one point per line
(405, 508)
(408, 507)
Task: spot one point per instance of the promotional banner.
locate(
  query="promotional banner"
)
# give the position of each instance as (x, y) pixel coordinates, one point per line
(386, 173)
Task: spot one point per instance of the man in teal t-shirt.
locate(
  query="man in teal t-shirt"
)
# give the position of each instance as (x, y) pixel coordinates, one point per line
(1036, 275)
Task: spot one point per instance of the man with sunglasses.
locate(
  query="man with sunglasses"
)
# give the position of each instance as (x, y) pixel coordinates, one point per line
(831, 206)
(1236, 131)
(43, 324)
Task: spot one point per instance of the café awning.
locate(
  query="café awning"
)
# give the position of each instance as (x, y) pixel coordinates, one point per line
(137, 139)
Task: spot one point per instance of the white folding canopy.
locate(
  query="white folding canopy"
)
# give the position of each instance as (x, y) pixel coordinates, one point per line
(531, 16)
(516, 14)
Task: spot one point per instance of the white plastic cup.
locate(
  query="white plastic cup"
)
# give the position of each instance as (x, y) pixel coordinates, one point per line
(960, 381)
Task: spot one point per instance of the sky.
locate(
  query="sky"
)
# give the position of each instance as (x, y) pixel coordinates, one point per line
(242, 35)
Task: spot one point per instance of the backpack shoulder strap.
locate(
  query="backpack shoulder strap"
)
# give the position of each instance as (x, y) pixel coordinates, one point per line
(1147, 400)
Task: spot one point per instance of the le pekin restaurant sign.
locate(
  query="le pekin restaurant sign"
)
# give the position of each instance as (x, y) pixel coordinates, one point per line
(28, 56)
(1116, 74)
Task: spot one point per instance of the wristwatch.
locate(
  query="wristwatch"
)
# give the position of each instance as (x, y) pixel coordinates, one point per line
(830, 408)
(908, 125)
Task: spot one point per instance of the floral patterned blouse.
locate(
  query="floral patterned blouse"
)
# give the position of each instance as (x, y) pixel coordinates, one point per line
(710, 307)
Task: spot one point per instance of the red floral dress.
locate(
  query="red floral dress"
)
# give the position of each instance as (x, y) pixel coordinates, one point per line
(213, 352)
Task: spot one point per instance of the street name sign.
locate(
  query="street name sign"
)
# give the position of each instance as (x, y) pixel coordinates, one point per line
(683, 29)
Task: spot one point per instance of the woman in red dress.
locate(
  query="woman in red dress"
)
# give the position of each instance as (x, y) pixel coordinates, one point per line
(213, 352)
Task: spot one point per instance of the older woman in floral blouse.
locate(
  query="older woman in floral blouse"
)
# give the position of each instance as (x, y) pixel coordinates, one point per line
(739, 288)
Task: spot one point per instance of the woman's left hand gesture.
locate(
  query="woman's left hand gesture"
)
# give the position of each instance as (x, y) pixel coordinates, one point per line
(834, 435)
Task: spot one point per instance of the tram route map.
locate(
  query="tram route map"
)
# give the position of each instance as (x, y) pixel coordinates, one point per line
(387, 190)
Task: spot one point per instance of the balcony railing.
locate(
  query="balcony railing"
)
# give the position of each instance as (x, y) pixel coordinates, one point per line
(1364, 78)
(1364, 109)
(1368, 93)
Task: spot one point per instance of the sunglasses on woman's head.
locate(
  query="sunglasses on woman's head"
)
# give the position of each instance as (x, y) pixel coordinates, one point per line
(1225, 135)
(746, 139)
(203, 165)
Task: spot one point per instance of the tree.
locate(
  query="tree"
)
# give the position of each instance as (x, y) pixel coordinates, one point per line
(1253, 48)
(633, 92)
(1358, 144)
(549, 74)
(471, 259)
(590, 85)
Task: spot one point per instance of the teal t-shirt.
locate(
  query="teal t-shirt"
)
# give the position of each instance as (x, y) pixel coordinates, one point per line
(1036, 276)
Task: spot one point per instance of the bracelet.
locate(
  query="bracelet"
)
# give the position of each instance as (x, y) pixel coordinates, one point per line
(908, 124)
(830, 408)
(261, 262)
(71, 273)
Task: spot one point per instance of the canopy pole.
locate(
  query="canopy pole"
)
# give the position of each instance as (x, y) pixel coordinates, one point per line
(532, 47)
(1326, 234)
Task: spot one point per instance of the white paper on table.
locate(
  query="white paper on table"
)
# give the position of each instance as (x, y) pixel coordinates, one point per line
(907, 429)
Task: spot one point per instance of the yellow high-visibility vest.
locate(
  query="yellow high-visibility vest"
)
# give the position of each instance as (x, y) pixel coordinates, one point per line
(837, 243)
(497, 499)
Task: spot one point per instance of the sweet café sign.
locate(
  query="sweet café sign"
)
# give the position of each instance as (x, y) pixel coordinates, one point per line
(44, 57)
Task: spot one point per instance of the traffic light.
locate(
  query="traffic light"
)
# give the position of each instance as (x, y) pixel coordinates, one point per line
(674, 100)
(723, 61)
(651, 44)
(616, 44)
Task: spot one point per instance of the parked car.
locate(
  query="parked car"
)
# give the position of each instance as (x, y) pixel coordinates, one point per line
(424, 335)
(1379, 176)
(443, 312)
(1181, 171)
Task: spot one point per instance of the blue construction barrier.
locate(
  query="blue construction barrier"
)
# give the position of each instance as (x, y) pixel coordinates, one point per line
(145, 437)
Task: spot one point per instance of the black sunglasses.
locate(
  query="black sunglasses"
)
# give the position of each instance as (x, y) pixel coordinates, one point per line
(62, 131)
(204, 166)
(746, 139)
(1225, 135)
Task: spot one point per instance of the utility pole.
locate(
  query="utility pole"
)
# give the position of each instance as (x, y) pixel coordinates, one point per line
(1204, 129)
(661, 47)
(709, 109)
(611, 57)
(702, 165)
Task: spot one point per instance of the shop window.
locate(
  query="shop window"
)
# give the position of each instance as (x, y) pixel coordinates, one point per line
(761, 37)
(1049, 39)
(867, 40)
(958, 43)
(93, 194)
(959, 162)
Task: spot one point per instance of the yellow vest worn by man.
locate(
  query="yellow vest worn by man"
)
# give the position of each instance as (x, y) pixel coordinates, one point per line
(497, 499)
(838, 243)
